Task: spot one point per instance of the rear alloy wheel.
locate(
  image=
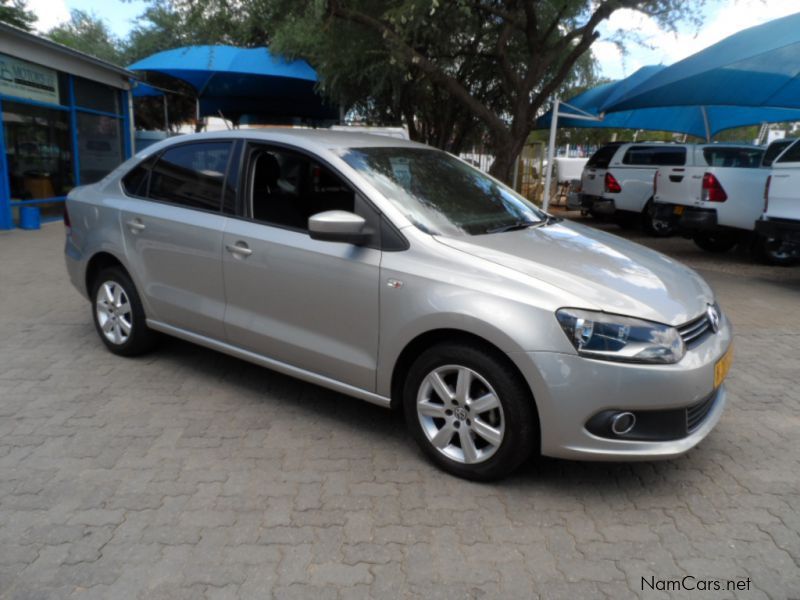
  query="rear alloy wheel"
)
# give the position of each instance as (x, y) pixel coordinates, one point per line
(773, 251)
(118, 314)
(654, 226)
(469, 412)
(715, 242)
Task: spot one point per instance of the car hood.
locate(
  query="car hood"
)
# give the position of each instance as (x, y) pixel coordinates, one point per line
(607, 272)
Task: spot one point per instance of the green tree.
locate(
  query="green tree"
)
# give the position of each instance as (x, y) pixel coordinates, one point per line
(498, 61)
(89, 34)
(16, 13)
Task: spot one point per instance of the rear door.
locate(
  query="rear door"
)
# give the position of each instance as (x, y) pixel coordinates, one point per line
(784, 189)
(307, 303)
(172, 222)
(593, 176)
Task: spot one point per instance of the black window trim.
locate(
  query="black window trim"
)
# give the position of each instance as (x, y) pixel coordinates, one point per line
(244, 207)
(156, 156)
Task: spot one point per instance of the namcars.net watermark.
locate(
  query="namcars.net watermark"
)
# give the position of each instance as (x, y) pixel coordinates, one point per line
(690, 583)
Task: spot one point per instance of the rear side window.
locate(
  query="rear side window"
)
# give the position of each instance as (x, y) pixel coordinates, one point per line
(773, 150)
(654, 156)
(791, 155)
(603, 156)
(733, 157)
(191, 175)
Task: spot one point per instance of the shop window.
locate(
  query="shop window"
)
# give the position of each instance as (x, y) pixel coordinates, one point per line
(100, 146)
(38, 151)
(90, 94)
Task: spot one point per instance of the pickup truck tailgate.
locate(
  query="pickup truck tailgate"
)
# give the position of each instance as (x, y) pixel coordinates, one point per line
(784, 193)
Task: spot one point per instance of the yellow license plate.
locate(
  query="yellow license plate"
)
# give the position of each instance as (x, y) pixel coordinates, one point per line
(678, 210)
(722, 367)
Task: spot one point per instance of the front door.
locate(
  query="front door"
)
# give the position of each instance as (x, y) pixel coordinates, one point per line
(308, 303)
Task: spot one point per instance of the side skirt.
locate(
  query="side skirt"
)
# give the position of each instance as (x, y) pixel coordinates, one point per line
(270, 363)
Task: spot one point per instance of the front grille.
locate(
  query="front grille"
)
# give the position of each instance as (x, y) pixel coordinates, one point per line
(696, 413)
(695, 330)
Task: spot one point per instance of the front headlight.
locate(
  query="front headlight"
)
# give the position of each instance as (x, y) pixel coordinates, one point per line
(614, 337)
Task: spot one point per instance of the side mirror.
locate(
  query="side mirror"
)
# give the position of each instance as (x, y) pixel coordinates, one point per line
(338, 226)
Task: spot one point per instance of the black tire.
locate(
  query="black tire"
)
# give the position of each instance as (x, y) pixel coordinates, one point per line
(519, 417)
(715, 242)
(660, 228)
(140, 338)
(771, 251)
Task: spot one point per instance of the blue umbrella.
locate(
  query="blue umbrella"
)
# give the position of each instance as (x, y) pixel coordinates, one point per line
(243, 81)
(757, 67)
(699, 121)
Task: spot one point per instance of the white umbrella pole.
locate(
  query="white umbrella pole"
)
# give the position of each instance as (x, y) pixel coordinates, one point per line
(705, 123)
(551, 151)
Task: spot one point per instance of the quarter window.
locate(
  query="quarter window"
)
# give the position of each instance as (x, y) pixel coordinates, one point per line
(191, 175)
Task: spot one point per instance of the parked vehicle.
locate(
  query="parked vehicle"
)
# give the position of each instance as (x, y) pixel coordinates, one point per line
(398, 274)
(718, 195)
(781, 218)
(618, 181)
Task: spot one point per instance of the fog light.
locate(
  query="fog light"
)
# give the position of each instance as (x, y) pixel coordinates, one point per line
(622, 423)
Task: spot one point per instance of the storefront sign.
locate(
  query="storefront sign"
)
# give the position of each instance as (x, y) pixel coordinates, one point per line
(26, 80)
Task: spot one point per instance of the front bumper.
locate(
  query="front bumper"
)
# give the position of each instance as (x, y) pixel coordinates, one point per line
(787, 230)
(569, 390)
(691, 218)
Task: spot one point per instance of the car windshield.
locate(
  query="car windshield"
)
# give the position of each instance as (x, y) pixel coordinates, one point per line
(440, 194)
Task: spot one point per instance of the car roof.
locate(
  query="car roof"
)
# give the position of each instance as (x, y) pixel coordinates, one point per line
(311, 139)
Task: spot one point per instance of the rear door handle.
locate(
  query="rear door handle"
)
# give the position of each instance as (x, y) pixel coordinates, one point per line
(136, 225)
(239, 248)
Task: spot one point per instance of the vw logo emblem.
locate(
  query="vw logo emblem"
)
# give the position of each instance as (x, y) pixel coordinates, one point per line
(713, 318)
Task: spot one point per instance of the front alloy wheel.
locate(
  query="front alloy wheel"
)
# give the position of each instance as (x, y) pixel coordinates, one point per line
(470, 410)
(460, 414)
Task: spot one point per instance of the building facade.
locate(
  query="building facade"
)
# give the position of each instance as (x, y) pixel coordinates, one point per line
(67, 121)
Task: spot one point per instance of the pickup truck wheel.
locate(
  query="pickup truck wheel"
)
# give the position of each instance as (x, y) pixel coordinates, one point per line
(470, 411)
(652, 225)
(772, 251)
(118, 314)
(715, 242)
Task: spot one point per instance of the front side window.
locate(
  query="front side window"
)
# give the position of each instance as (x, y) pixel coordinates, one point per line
(191, 175)
(286, 188)
(441, 194)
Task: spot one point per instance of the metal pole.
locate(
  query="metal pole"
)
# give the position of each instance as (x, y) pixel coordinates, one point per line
(551, 152)
(705, 123)
(166, 113)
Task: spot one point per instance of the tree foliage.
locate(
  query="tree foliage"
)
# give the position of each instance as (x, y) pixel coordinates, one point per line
(89, 34)
(16, 13)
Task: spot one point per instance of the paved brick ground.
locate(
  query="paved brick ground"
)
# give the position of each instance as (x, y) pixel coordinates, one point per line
(188, 474)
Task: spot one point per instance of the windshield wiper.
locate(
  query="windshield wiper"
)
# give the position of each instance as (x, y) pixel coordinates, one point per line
(514, 226)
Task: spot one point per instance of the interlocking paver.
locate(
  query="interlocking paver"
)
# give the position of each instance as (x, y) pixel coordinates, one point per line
(188, 474)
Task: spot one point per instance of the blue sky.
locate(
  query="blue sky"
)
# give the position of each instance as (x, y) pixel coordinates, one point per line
(722, 18)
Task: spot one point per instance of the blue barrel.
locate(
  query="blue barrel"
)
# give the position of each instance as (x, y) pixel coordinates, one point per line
(29, 217)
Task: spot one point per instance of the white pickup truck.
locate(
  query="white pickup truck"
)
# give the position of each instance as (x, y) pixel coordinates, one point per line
(718, 195)
(618, 181)
(781, 218)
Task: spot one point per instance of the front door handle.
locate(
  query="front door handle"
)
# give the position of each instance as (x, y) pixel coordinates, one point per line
(136, 225)
(239, 248)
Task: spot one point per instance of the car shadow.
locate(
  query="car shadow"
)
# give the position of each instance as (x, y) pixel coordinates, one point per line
(376, 426)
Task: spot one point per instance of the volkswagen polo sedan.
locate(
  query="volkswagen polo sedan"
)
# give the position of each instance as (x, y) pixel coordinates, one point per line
(398, 274)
